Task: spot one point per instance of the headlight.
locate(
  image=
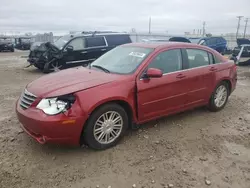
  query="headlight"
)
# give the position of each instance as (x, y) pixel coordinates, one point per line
(57, 105)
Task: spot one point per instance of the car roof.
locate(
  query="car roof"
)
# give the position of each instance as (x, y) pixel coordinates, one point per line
(164, 45)
(89, 34)
(206, 38)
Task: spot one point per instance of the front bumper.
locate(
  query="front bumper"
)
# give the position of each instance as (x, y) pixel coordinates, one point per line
(58, 129)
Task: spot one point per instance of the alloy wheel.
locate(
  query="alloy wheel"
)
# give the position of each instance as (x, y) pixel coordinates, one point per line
(220, 96)
(108, 127)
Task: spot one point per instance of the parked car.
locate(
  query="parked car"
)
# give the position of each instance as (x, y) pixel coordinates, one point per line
(241, 56)
(23, 43)
(74, 50)
(171, 39)
(242, 42)
(6, 44)
(127, 86)
(217, 43)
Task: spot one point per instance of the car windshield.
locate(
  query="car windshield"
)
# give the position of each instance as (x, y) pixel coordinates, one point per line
(202, 42)
(122, 59)
(62, 41)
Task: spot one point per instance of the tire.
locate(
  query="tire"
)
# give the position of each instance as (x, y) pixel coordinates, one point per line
(213, 105)
(40, 67)
(91, 139)
(12, 50)
(49, 68)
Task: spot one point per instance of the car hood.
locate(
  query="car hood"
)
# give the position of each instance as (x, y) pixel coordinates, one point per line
(69, 81)
(242, 41)
(43, 46)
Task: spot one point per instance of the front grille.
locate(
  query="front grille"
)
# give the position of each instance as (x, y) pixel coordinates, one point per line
(27, 99)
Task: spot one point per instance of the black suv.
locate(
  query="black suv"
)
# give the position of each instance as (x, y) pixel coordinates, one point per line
(6, 44)
(74, 50)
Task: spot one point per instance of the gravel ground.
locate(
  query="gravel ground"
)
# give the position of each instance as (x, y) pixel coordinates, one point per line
(194, 149)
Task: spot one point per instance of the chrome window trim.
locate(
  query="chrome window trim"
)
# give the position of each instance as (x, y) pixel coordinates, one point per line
(183, 70)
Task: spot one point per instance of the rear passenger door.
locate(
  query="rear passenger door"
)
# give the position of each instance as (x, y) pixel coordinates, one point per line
(200, 76)
(95, 47)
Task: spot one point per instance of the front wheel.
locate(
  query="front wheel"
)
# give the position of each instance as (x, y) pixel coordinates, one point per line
(53, 67)
(105, 127)
(219, 97)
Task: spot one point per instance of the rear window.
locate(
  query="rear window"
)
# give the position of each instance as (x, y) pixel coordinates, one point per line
(95, 42)
(115, 40)
(216, 60)
(197, 58)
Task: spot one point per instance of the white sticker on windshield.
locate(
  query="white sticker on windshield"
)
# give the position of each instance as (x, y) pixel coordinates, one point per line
(137, 54)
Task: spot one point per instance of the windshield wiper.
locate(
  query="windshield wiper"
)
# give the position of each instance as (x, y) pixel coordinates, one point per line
(100, 67)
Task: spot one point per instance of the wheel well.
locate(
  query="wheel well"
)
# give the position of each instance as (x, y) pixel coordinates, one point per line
(229, 85)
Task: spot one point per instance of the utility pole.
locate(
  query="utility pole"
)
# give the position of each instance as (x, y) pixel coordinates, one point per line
(238, 27)
(245, 30)
(204, 30)
(149, 26)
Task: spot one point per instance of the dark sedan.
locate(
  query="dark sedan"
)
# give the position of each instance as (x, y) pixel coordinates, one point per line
(6, 44)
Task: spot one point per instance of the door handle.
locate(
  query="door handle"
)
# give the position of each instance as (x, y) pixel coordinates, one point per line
(212, 69)
(84, 52)
(180, 76)
(103, 49)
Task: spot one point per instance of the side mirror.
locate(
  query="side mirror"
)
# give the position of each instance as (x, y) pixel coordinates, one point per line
(154, 73)
(69, 48)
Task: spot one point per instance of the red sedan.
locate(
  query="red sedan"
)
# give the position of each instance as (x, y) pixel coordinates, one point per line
(127, 86)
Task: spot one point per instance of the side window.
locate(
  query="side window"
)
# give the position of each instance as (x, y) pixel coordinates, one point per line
(211, 58)
(77, 44)
(95, 42)
(115, 40)
(216, 60)
(197, 58)
(208, 42)
(168, 61)
(203, 42)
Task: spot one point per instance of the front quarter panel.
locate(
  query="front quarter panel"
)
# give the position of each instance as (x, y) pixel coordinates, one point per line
(92, 98)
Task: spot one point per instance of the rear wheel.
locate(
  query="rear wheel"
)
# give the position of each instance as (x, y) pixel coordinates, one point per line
(105, 127)
(219, 97)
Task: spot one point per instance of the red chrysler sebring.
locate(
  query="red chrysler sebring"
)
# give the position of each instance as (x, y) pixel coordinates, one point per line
(127, 86)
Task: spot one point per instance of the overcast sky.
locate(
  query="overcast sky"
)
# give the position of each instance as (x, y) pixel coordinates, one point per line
(174, 16)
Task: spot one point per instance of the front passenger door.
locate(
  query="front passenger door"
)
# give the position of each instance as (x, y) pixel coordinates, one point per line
(77, 55)
(160, 96)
